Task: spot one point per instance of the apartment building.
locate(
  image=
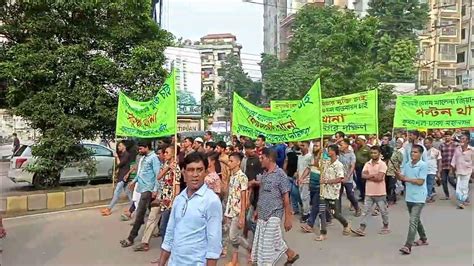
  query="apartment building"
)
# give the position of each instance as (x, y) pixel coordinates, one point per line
(274, 11)
(438, 43)
(214, 49)
(465, 50)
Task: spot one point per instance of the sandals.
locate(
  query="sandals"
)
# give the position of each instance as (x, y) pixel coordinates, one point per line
(347, 230)
(292, 260)
(358, 213)
(106, 212)
(141, 247)
(420, 243)
(125, 218)
(384, 231)
(405, 250)
(321, 238)
(306, 228)
(126, 243)
(358, 232)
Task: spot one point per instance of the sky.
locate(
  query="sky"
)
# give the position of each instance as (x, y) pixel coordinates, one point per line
(192, 19)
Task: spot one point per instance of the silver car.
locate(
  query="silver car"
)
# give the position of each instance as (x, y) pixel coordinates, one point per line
(103, 156)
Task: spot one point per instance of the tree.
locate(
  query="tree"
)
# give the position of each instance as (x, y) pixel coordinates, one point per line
(208, 103)
(64, 63)
(399, 19)
(337, 47)
(234, 79)
(330, 44)
(396, 46)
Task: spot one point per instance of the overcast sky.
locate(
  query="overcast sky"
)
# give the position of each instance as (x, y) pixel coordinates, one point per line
(192, 19)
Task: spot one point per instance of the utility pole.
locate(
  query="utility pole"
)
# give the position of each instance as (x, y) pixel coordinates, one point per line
(469, 49)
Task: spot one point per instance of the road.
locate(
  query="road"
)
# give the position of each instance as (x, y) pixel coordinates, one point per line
(85, 238)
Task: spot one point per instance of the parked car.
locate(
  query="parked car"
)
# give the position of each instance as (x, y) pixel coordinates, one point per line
(103, 156)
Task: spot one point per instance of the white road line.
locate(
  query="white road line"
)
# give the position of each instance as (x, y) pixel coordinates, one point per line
(59, 212)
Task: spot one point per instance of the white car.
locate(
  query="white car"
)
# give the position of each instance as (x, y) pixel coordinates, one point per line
(103, 156)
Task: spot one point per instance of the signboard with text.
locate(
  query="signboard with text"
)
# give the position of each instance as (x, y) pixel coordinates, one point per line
(448, 110)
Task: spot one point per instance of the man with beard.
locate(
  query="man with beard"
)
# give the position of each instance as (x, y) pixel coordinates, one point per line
(147, 186)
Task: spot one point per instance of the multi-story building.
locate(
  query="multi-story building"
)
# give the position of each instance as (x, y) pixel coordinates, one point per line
(438, 43)
(214, 49)
(274, 11)
(187, 63)
(465, 50)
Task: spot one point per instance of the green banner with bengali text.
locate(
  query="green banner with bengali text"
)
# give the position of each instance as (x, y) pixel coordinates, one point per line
(150, 119)
(283, 105)
(448, 110)
(352, 114)
(301, 123)
(355, 113)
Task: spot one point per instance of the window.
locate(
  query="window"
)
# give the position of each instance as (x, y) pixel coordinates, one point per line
(461, 57)
(448, 27)
(463, 33)
(463, 10)
(98, 150)
(472, 53)
(458, 79)
(426, 51)
(447, 52)
(424, 77)
(221, 56)
(448, 5)
(447, 77)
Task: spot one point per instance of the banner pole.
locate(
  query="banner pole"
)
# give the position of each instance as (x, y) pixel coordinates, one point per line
(377, 112)
(115, 163)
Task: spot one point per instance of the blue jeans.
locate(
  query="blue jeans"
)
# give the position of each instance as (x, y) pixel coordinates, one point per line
(295, 196)
(165, 216)
(430, 181)
(118, 190)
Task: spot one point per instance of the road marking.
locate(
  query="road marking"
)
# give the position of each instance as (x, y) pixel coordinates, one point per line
(59, 212)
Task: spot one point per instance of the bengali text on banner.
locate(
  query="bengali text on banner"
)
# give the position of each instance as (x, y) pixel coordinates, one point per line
(352, 114)
(448, 110)
(150, 119)
(295, 125)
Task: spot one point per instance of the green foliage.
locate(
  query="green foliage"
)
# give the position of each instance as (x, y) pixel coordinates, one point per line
(234, 79)
(327, 43)
(208, 103)
(64, 62)
(396, 44)
(399, 18)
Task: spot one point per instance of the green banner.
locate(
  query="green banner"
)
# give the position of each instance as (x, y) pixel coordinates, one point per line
(448, 110)
(150, 119)
(295, 125)
(283, 105)
(352, 114)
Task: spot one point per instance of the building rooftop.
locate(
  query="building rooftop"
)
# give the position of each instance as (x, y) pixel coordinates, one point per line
(219, 36)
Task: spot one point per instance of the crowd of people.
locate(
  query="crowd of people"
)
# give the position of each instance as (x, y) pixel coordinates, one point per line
(207, 199)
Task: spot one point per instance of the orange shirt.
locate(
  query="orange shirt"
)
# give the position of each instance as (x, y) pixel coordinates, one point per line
(373, 188)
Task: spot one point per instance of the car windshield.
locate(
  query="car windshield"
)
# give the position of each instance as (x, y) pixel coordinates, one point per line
(23, 151)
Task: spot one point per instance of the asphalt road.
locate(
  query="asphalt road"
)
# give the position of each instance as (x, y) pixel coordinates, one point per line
(83, 237)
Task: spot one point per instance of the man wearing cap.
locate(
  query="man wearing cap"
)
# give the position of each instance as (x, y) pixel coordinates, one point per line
(197, 145)
(362, 156)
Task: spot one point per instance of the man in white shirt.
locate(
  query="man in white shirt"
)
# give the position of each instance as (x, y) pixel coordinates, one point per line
(303, 172)
(433, 156)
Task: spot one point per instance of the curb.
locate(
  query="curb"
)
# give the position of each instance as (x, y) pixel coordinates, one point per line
(57, 200)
